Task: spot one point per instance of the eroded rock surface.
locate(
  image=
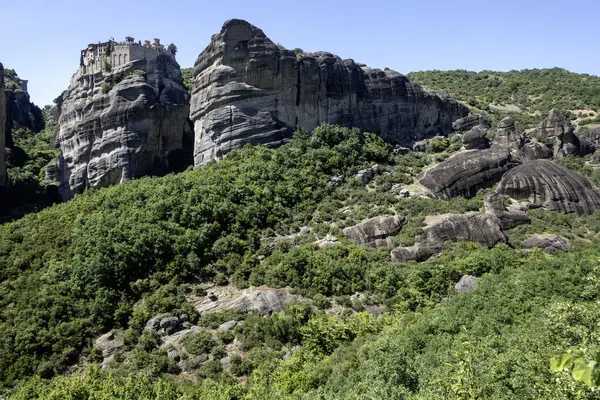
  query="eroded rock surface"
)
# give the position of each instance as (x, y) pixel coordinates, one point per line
(21, 113)
(476, 138)
(548, 243)
(509, 217)
(469, 122)
(507, 135)
(111, 345)
(557, 132)
(484, 229)
(373, 232)
(248, 90)
(464, 173)
(118, 125)
(263, 300)
(466, 284)
(551, 186)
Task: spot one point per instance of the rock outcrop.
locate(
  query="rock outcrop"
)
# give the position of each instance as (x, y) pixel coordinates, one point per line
(373, 232)
(548, 243)
(262, 300)
(484, 229)
(246, 89)
(466, 284)
(2, 129)
(507, 135)
(464, 173)
(551, 186)
(509, 217)
(476, 138)
(557, 132)
(469, 122)
(122, 124)
(593, 135)
(21, 113)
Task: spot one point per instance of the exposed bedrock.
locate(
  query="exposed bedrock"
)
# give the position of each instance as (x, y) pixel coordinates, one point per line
(557, 133)
(122, 124)
(509, 217)
(484, 229)
(464, 173)
(551, 186)
(248, 90)
(21, 113)
(373, 232)
(547, 243)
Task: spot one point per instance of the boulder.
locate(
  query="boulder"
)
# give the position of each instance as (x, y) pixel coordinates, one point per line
(246, 89)
(153, 324)
(262, 300)
(170, 324)
(119, 125)
(484, 229)
(469, 122)
(534, 150)
(466, 284)
(366, 175)
(548, 243)
(551, 186)
(509, 217)
(507, 135)
(420, 146)
(111, 345)
(591, 135)
(557, 132)
(373, 232)
(476, 138)
(327, 241)
(227, 326)
(464, 173)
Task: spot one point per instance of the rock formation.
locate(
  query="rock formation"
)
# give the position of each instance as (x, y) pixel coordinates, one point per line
(20, 111)
(121, 124)
(507, 135)
(548, 243)
(557, 132)
(509, 217)
(2, 129)
(476, 138)
(484, 229)
(469, 122)
(248, 90)
(593, 135)
(464, 173)
(373, 232)
(551, 186)
(466, 284)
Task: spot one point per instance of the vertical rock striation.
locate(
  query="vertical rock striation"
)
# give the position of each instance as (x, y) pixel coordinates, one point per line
(21, 113)
(248, 90)
(121, 124)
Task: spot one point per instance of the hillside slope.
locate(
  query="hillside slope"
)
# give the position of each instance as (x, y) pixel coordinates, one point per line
(525, 95)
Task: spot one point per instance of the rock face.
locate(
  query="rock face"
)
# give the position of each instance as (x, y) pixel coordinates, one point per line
(260, 299)
(464, 173)
(248, 90)
(373, 232)
(509, 217)
(121, 124)
(20, 111)
(476, 138)
(507, 135)
(484, 229)
(111, 345)
(548, 243)
(469, 122)
(593, 135)
(557, 132)
(2, 129)
(466, 284)
(552, 186)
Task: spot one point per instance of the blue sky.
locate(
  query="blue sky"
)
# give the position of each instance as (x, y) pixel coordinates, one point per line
(41, 39)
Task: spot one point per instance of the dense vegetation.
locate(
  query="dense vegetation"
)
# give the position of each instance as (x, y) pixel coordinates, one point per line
(26, 162)
(115, 257)
(526, 95)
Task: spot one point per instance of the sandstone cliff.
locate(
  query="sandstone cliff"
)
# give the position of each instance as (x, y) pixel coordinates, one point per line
(2, 128)
(121, 124)
(248, 90)
(20, 111)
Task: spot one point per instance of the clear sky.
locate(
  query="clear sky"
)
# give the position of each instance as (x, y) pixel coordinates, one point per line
(41, 39)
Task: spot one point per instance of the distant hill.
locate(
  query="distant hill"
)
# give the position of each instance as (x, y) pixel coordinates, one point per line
(526, 95)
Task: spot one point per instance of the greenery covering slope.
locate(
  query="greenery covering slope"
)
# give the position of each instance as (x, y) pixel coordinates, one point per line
(526, 95)
(119, 256)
